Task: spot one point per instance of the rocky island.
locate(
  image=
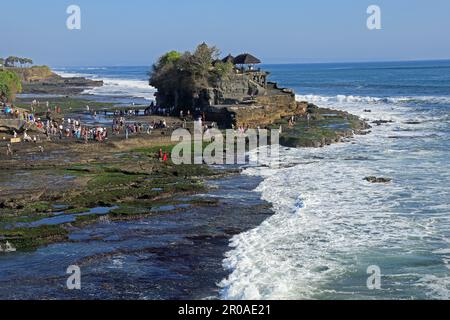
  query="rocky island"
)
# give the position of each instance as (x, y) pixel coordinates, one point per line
(233, 93)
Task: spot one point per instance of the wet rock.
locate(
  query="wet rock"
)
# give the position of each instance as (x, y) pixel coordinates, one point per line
(412, 122)
(380, 122)
(59, 85)
(363, 132)
(377, 180)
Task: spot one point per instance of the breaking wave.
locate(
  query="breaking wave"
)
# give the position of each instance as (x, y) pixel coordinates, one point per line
(373, 100)
(330, 225)
(114, 87)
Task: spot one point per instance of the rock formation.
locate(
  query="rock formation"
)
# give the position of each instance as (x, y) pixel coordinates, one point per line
(228, 91)
(41, 80)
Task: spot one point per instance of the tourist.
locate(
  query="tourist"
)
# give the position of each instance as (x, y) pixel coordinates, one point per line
(26, 137)
(165, 157)
(47, 135)
(9, 151)
(7, 110)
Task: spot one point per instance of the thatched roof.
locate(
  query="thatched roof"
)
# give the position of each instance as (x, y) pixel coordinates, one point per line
(228, 58)
(246, 58)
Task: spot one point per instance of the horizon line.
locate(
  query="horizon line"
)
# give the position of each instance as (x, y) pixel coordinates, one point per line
(275, 63)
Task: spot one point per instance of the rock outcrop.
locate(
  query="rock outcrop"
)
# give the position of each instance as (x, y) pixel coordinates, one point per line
(247, 99)
(41, 80)
(377, 180)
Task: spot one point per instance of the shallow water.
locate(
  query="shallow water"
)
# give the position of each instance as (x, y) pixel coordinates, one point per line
(61, 218)
(164, 256)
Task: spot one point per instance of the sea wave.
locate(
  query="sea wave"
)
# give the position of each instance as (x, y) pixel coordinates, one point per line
(115, 87)
(330, 225)
(124, 88)
(374, 100)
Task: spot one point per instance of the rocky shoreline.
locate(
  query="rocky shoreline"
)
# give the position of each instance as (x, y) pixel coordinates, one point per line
(180, 251)
(78, 195)
(123, 175)
(320, 127)
(40, 80)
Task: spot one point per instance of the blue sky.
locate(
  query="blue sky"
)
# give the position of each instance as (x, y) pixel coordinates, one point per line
(136, 32)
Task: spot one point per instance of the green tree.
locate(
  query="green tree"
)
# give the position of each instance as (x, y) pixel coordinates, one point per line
(11, 61)
(201, 65)
(10, 85)
(167, 75)
(186, 76)
(25, 61)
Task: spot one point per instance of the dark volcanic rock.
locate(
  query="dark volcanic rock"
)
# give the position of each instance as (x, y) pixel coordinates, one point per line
(412, 122)
(377, 180)
(60, 86)
(380, 122)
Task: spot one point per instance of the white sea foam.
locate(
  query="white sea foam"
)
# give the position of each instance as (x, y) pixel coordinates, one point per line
(121, 88)
(66, 74)
(116, 87)
(329, 223)
(372, 100)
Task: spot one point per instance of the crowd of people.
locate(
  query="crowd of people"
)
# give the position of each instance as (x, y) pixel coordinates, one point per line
(52, 126)
(158, 111)
(120, 126)
(70, 128)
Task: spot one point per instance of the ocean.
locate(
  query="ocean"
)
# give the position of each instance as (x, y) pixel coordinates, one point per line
(329, 225)
(121, 84)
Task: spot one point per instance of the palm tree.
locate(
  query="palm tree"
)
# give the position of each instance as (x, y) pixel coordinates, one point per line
(10, 61)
